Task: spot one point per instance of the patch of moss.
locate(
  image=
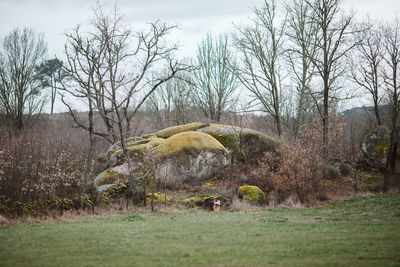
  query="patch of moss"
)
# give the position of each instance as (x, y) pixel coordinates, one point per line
(228, 139)
(129, 141)
(133, 150)
(381, 148)
(157, 198)
(197, 200)
(138, 142)
(168, 132)
(210, 184)
(241, 141)
(372, 182)
(376, 142)
(155, 141)
(182, 144)
(109, 177)
(149, 135)
(252, 193)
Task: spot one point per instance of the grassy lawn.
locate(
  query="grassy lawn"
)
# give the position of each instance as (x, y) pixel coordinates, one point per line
(363, 231)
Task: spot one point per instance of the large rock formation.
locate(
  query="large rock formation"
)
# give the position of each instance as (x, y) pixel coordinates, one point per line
(184, 153)
(375, 145)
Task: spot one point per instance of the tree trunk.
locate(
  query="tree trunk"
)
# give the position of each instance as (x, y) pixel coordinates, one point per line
(376, 109)
(278, 125)
(391, 158)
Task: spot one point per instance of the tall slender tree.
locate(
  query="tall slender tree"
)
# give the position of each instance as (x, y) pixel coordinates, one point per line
(301, 48)
(215, 83)
(261, 48)
(333, 42)
(366, 70)
(392, 83)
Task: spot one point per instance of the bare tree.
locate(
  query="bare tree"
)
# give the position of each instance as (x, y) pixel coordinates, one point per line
(392, 82)
(171, 102)
(261, 48)
(117, 69)
(366, 69)
(80, 69)
(215, 83)
(300, 31)
(333, 42)
(20, 91)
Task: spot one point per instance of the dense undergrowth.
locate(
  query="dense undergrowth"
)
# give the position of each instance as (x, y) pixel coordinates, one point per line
(44, 172)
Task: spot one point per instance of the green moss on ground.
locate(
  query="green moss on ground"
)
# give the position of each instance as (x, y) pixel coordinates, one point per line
(158, 198)
(199, 200)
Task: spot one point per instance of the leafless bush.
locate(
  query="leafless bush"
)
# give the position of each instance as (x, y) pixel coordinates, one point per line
(44, 168)
(242, 205)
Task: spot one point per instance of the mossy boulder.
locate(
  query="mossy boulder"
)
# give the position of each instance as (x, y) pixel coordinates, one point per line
(182, 157)
(252, 193)
(135, 149)
(189, 143)
(190, 155)
(185, 153)
(241, 142)
(129, 141)
(112, 175)
(375, 146)
(168, 132)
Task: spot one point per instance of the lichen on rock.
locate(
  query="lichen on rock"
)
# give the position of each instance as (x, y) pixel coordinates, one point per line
(110, 175)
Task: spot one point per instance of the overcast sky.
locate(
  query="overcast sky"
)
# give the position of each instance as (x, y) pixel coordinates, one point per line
(196, 18)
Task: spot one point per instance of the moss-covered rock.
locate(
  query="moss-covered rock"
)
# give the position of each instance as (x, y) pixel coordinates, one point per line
(149, 135)
(135, 149)
(375, 145)
(252, 193)
(168, 132)
(241, 142)
(111, 175)
(190, 155)
(129, 141)
(185, 153)
(192, 143)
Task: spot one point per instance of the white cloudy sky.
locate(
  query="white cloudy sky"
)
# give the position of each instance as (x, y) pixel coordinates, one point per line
(196, 18)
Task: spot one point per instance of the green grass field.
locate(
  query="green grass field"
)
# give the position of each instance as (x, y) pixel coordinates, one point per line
(363, 231)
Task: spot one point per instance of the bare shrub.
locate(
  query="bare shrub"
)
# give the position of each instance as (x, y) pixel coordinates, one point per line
(299, 171)
(43, 169)
(242, 205)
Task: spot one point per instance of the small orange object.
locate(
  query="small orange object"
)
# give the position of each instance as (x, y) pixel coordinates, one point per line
(217, 206)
